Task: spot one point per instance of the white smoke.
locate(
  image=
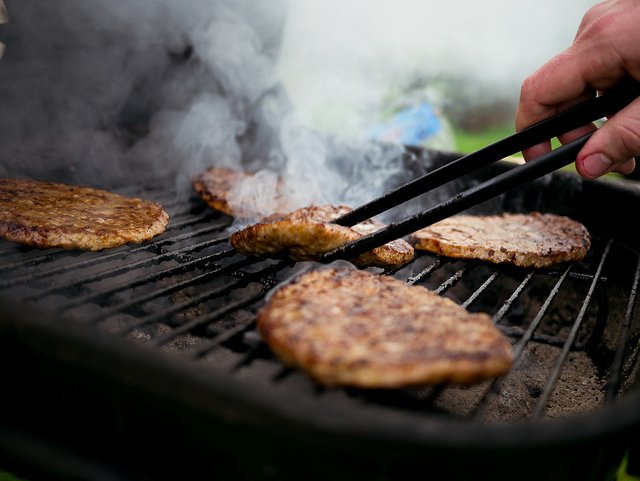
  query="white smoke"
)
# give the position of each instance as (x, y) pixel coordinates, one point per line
(341, 61)
(102, 92)
(106, 93)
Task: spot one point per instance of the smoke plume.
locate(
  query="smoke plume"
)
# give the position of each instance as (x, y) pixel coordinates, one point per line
(102, 92)
(140, 91)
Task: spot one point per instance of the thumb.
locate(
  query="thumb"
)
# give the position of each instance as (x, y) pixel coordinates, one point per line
(613, 146)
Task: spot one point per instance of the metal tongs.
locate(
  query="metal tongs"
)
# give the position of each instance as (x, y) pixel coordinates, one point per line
(590, 110)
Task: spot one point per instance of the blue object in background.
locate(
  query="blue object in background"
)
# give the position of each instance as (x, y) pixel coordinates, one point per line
(409, 127)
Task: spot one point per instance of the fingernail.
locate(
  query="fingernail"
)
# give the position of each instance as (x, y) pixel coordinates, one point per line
(596, 164)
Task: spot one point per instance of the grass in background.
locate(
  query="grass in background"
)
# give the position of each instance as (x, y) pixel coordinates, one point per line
(466, 142)
(622, 473)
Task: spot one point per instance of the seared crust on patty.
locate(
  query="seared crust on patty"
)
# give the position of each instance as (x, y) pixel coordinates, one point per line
(355, 328)
(307, 233)
(526, 240)
(45, 214)
(214, 186)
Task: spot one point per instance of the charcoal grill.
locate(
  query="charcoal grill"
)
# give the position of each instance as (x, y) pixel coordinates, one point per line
(143, 362)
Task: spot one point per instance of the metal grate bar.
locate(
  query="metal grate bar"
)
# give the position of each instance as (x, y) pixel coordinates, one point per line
(516, 332)
(33, 257)
(103, 314)
(425, 272)
(555, 374)
(224, 336)
(205, 296)
(480, 290)
(107, 256)
(148, 278)
(213, 316)
(573, 275)
(496, 385)
(616, 367)
(127, 267)
(509, 302)
(449, 283)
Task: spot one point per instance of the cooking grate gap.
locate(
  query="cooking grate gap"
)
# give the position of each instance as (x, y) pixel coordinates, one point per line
(562, 358)
(253, 353)
(205, 261)
(527, 336)
(452, 281)
(243, 300)
(615, 376)
(470, 401)
(166, 312)
(580, 276)
(514, 296)
(27, 255)
(631, 367)
(516, 332)
(128, 267)
(172, 288)
(480, 290)
(224, 336)
(422, 275)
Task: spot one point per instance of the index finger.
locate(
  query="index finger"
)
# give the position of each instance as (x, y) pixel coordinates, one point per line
(554, 87)
(564, 81)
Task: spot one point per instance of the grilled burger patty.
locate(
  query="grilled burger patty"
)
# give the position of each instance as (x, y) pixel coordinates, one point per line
(215, 184)
(352, 327)
(45, 214)
(307, 233)
(526, 240)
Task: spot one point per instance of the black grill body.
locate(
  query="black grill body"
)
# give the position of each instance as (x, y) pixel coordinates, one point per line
(143, 362)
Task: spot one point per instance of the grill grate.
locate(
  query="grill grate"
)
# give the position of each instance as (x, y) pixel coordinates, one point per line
(188, 292)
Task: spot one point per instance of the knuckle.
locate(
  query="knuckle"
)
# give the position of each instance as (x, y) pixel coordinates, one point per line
(629, 134)
(591, 14)
(527, 88)
(595, 13)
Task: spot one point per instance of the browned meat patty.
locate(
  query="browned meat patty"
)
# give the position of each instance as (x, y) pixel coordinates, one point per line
(215, 185)
(526, 240)
(45, 214)
(307, 233)
(352, 327)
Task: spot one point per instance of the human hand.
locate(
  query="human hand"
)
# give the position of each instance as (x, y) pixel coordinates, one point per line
(606, 48)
